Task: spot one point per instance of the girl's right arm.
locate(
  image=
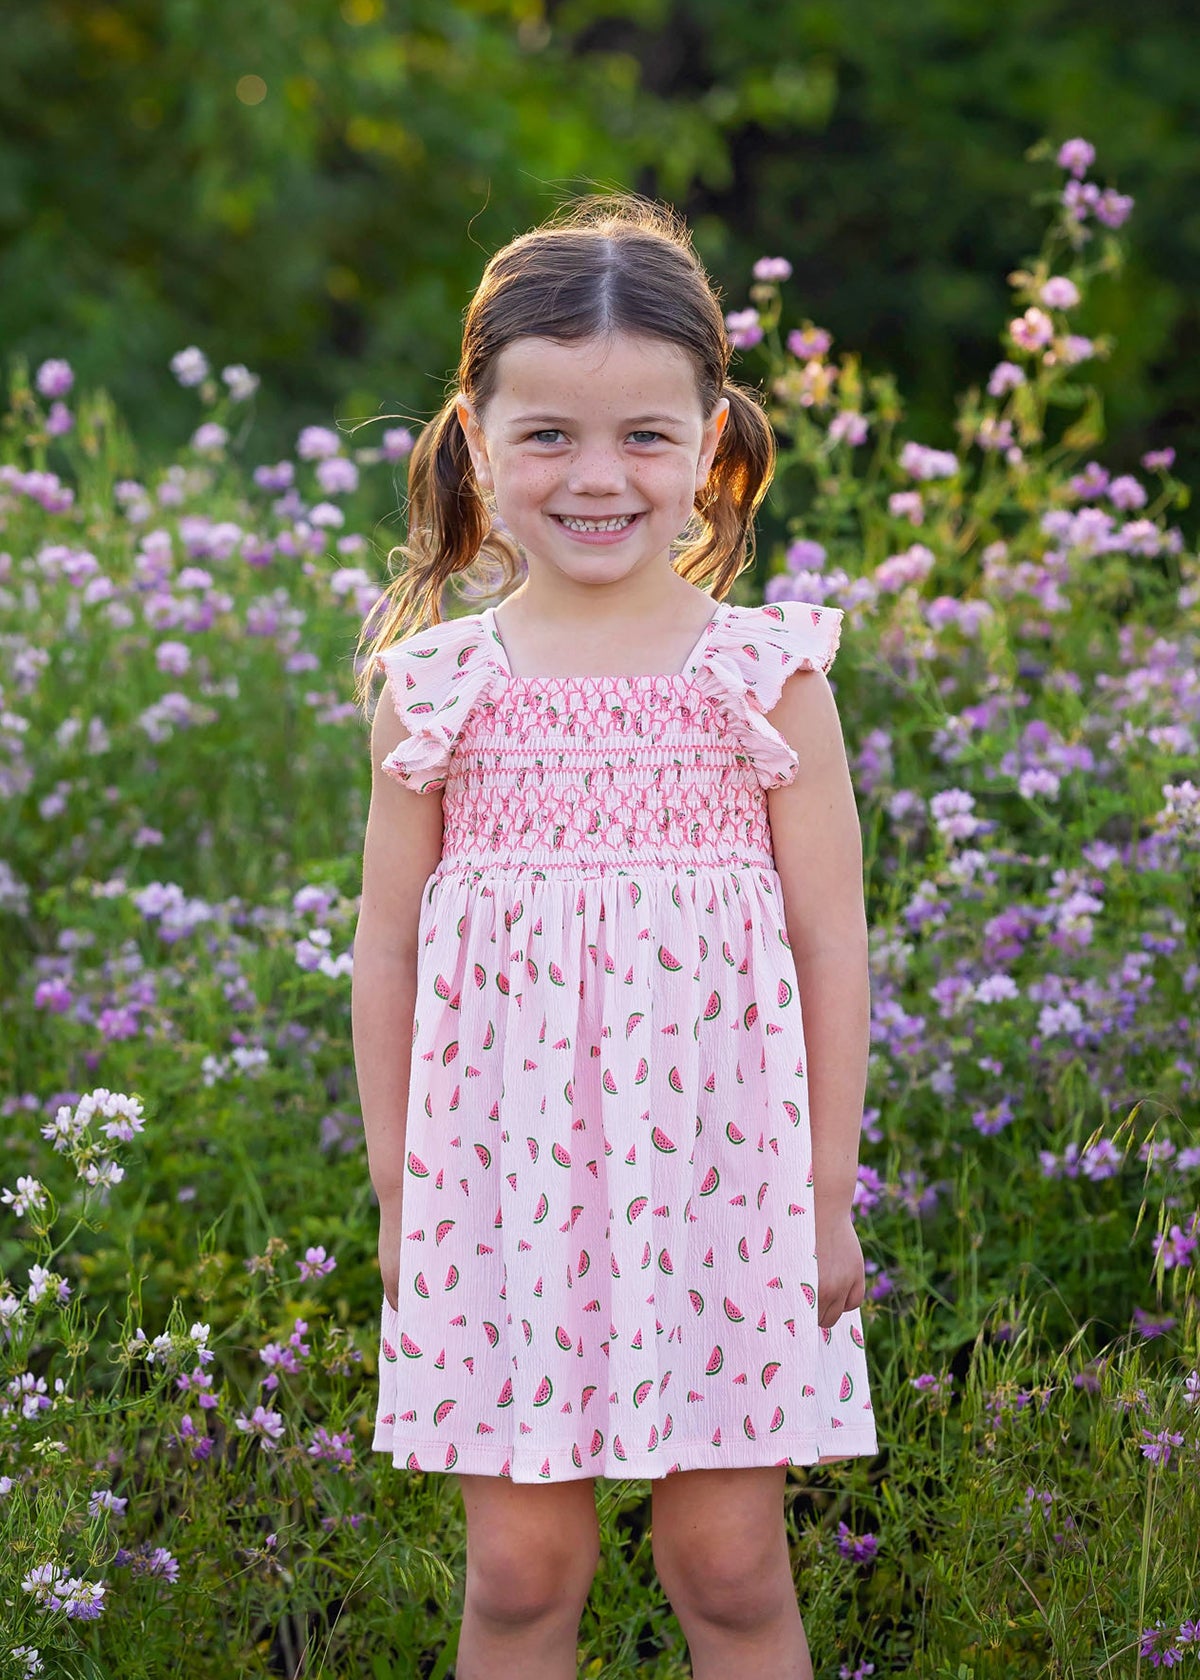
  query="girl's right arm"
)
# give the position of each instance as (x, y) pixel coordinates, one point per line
(403, 846)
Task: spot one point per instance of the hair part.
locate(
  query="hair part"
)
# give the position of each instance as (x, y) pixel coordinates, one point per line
(605, 264)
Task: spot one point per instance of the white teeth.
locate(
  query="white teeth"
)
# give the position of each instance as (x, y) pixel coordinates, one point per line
(599, 524)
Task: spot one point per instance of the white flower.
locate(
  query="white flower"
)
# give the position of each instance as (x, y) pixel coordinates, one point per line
(28, 1194)
(190, 366)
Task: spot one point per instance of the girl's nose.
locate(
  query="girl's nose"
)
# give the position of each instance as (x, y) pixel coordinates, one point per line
(596, 472)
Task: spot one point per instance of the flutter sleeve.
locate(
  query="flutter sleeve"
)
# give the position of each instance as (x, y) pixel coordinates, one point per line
(750, 656)
(434, 679)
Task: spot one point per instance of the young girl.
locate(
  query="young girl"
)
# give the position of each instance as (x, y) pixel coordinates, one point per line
(612, 894)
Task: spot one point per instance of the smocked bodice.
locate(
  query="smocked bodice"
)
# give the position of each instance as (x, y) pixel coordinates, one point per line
(583, 774)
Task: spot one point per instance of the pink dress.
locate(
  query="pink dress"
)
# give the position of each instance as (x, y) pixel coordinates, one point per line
(607, 1261)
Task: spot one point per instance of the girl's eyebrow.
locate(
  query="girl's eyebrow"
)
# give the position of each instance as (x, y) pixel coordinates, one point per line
(562, 420)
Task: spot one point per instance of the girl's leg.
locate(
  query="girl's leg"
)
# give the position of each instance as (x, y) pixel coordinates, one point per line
(720, 1548)
(532, 1550)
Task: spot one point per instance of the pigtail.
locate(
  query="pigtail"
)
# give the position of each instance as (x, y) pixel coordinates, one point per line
(737, 482)
(450, 528)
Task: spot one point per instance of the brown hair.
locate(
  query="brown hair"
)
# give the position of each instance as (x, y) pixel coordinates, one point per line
(607, 264)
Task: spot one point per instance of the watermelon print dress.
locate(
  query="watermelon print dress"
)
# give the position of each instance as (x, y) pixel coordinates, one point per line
(607, 1251)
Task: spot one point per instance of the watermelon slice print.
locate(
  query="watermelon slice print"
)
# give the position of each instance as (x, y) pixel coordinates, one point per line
(660, 1140)
(416, 1166)
(543, 1392)
(668, 961)
(408, 1347)
(715, 1361)
(847, 1388)
(442, 1411)
(642, 1392)
(389, 1352)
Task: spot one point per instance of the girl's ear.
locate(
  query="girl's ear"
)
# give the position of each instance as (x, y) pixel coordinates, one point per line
(468, 419)
(713, 427)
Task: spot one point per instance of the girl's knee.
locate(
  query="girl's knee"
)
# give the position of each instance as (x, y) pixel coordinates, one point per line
(723, 1569)
(518, 1585)
(530, 1559)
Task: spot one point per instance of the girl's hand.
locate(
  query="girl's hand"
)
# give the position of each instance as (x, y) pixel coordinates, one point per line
(389, 1252)
(841, 1275)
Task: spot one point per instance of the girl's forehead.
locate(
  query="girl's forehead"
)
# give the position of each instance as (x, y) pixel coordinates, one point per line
(608, 369)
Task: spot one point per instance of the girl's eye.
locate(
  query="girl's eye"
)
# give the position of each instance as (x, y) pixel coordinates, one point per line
(550, 434)
(645, 437)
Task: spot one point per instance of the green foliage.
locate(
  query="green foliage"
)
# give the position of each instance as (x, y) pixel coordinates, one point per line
(329, 230)
(181, 832)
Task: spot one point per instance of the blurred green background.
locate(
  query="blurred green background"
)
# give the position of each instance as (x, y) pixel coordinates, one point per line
(312, 188)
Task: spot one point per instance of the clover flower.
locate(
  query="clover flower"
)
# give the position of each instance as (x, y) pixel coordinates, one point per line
(105, 1500)
(28, 1196)
(1159, 1447)
(1059, 293)
(316, 1264)
(397, 443)
(54, 377)
(848, 427)
(809, 343)
(1077, 156)
(31, 1658)
(190, 366)
(856, 1548)
(920, 462)
(266, 1425)
(1031, 331)
(241, 382)
(772, 270)
(333, 1449)
(744, 328)
(1177, 1247)
(1158, 1647)
(317, 443)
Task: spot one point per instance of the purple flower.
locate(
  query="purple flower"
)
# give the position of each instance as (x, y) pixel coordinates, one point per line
(1031, 331)
(856, 1548)
(1178, 1247)
(1157, 1647)
(397, 443)
(1158, 1448)
(1126, 493)
(805, 556)
(923, 463)
(105, 1500)
(190, 366)
(276, 479)
(209, 439)
(54, 378)
(848, 427)
(744, 328)
(772, 269)
(1149, 1327)
(809, 344)
(1158, 460)
(1077, 156)
(332, 1449)
(316, 1264)
(60, 420)
(337, 476)
(317, 443)
(266, 1425)
(241, 382)
(1005, 376)
(1113, 208)
(1060, 293)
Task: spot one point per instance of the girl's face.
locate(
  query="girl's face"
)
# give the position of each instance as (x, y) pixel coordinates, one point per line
(594, 451)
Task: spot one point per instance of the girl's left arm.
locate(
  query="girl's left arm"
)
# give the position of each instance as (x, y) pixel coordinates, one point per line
(818, 856)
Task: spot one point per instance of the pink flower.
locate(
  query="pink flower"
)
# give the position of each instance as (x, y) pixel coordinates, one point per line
(1005, 376)
(848, 427)
(1077, 156)
(397, 443)
(1113, 208)
(1031, 331)
(60, 420)
(1060, 293)
(809, 344)
(316, 1264)
(1158, 460)
(54, 378)
(772, 269)
(744, 328)
(317, 443)
(190, 366)
(1126, 493)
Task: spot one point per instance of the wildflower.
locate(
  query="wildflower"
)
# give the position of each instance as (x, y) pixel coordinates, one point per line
(190, 366)
(317, 443)
(899, 570)
(315, 1264)
(1158, 1448)
(1158, 460)
(54, 378)
(155, 1561)
(1005, 376)
(1076, 156)
(862, 1672)
(333, 1449)
(1031, 331)
(937, 1387)
(30, 1657)
(809, 343)
(805, 556)
(996, 988)
(856, 1548)
(1125, 493)
(337, 476)
(1113, 208)
(1148, 1327)
(266, 1425)
(1060, 293)
(105, 1500)
(990, 1122)
(277, 478)
(1178, 1246)
(952, 812)
(772, 270)
(1157, 1647)
(60, 420)
(923, 463)
(1075, 348)
(1065, 1017)
(848, 427)
(28, 1195)
(241, 382)
(1191, 1389)
(744, 328)
(210, 438)
(397, 443)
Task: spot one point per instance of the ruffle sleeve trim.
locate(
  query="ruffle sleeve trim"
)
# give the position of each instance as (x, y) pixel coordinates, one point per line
(749, 656)
(434, 679)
